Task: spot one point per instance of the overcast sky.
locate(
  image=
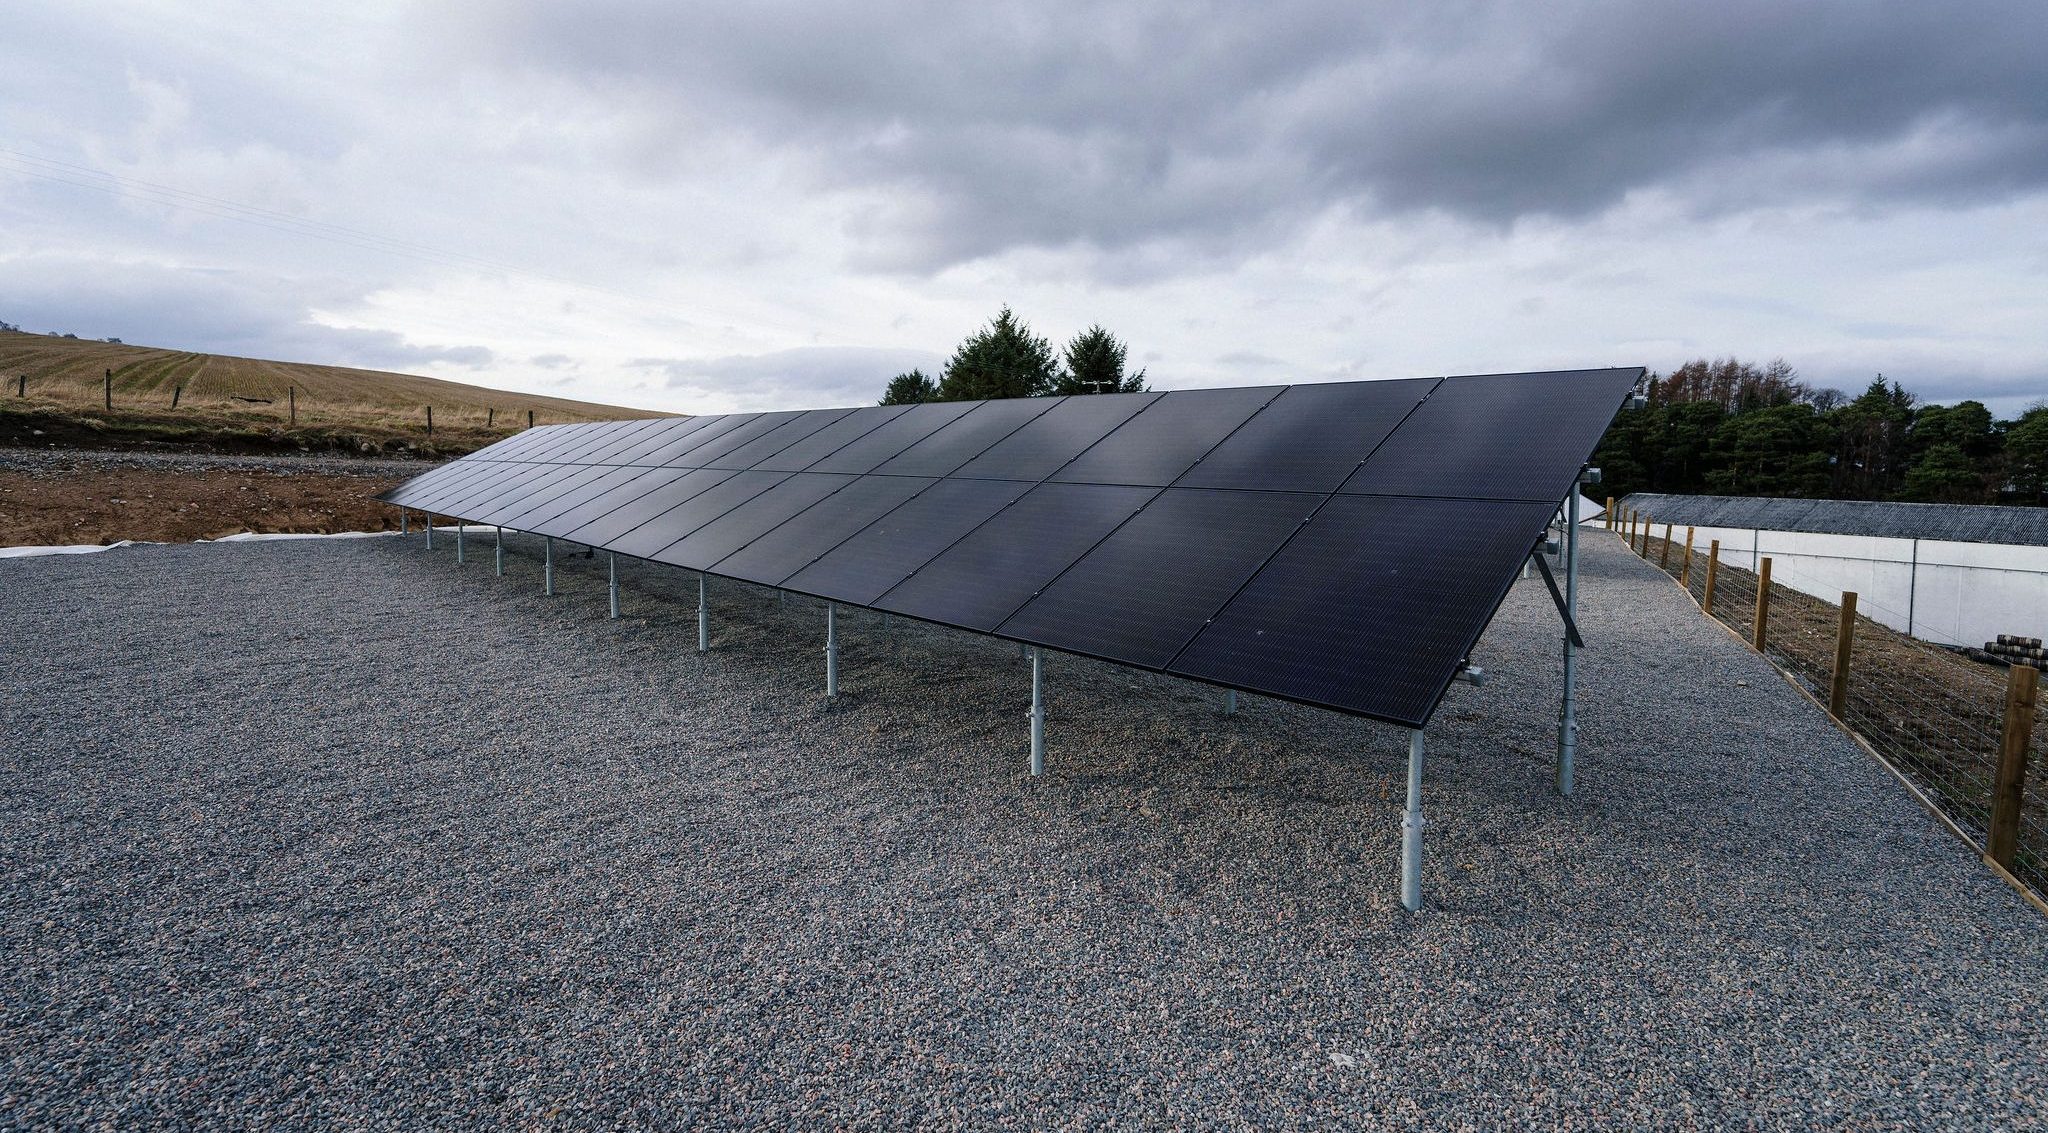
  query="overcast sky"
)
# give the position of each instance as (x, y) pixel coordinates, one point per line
(780, 205)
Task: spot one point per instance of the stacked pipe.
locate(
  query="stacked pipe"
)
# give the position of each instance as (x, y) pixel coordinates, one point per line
(2016, 650)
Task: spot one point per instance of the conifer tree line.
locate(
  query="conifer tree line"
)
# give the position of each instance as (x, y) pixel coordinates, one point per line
(1005, 359)
(1733, 428)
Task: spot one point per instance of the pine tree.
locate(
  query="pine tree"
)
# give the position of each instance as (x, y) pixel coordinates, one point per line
(1003, 359)
(910, 389)
(1095, 364)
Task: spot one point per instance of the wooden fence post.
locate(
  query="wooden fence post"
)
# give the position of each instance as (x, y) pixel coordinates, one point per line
(1664, 558)
(1845, 638)
(1685, 571)
(1610, 513)
(529, 418)
(2021, 685)
(1713, 568)
(490, 415)
(430, 420)
(176, 393)
(1759, 632)
(110, 389)
(1643, 537)
(291, 394)
(21, 390)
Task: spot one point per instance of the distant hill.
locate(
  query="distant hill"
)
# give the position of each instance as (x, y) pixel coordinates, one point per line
(220, 403)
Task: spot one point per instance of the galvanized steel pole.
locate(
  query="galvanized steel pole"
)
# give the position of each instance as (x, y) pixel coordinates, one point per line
(429, 517)
(1411, 828)
(703, 616)
(548, 568)
(500, 554)
(1230, 702)
(1037, 712)
(1568, 718)
(831, 650)
(613, 560)
(405, 521)
(461, 529)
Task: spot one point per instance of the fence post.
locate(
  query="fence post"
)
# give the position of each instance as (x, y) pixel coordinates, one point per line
(1759, 632)
(1643, 537)
(1664, 557)
(490, 415)
(291, 394)
(430, 420)
(1610, 513)
(529, 418)
(1845, 638)
(21, 389)
(2021, 685)
(1713, 569)
(1685, 571)
(110, 389)
(176, 393)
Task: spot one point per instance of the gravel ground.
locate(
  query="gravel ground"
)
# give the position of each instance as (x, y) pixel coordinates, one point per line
(65, 461)
(341, 834)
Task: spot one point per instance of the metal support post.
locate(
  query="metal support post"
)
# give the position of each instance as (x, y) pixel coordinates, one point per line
(1411, 828)
(1037, 712)
(548, 569)
(1568, 715)
(429, 517)
(1230, 702)
(703, 616)
(405, 521)
(500, 553)
(461, 529)
(831, 650)
(612, 559)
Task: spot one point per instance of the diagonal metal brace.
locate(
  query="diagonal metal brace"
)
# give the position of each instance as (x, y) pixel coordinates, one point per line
(1571, 629)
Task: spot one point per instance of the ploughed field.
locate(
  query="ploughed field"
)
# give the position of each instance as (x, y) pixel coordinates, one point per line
(345, 833)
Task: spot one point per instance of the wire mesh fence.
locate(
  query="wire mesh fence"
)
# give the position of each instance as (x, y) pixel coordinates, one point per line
(1938, 716)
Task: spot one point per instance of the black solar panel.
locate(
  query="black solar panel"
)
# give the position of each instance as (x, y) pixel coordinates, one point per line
(643, 541)
(752, 519)
(998, 566)
(761, 448)
(887, 550)
(1349, 610)
(966, 438)
(1144, 593)
(1166, 438)
(611, 499)
(830, 439)
(809, 534)
(1309, 438)
(631, 514)
(1056, 436)
(1340, 545)
(1498, 436)
(893, 437)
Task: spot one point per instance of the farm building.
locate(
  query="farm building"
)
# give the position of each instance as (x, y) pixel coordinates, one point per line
(1953, 574)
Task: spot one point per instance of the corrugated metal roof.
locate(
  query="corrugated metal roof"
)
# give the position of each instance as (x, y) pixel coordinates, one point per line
(1963, 523)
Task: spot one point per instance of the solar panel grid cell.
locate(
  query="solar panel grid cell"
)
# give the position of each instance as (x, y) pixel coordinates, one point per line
(823, 443)
(752, 519)
(810, 534)
(754, 452)
(1162, 441)
(885, 552)
(870, 451)
(995, 568)
(610, 499)
(661, 530)
(632, 514)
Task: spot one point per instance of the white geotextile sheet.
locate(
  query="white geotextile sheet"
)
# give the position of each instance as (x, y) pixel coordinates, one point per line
(244, 537)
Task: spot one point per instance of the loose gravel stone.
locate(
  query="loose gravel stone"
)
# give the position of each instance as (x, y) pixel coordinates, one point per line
(313, 834)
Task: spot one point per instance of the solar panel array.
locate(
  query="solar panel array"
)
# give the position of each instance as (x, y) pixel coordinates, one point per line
(1341, 545)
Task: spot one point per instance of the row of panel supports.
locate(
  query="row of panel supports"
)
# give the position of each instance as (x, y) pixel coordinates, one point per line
(1412, 822)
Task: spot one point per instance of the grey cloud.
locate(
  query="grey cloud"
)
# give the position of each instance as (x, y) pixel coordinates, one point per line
(1208, 126)
(807, 377)
(212, 311)
(551, 361)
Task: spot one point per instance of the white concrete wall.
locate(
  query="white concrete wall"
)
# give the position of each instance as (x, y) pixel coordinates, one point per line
(1951, 593)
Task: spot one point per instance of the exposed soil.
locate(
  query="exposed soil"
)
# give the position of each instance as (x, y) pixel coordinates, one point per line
(51, 499)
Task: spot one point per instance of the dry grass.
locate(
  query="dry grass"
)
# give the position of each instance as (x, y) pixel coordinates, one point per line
(69, 374)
